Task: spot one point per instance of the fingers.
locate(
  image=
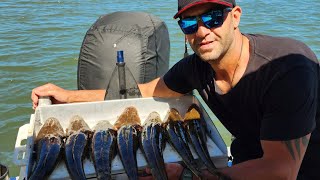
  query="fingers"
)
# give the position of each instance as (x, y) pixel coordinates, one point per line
(146, 177)
(173, 166)
(148, 170)
(35, 99)
(145, 174)
(44, 90)
(174, 171)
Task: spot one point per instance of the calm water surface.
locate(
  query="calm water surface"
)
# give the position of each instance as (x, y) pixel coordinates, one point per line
(40, 42)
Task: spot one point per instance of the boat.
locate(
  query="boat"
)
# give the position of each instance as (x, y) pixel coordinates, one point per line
(95, 67)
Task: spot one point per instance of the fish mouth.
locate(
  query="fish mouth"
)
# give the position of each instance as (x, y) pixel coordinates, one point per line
(48, 144)
(153, 143)
(103, 148)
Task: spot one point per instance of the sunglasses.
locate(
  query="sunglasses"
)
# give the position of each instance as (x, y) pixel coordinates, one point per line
(211, 19)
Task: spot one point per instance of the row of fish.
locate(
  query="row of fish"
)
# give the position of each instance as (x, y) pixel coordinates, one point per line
(127, 134)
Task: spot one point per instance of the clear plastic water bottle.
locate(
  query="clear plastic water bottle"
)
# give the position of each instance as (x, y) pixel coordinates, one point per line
(122, 84)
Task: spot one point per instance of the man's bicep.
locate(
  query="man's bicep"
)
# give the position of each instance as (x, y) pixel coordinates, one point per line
(297, 147)
(289, 153)
(162, 90)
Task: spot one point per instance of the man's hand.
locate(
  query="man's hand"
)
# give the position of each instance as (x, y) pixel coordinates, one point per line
(174, 171)
(56, 94)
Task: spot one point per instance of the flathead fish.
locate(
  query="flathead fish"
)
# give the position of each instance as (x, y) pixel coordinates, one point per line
(78, 135)
(195, 128)
(177, 137)
(129, 128)
(47, 148)
(153, 143)
(104, 144)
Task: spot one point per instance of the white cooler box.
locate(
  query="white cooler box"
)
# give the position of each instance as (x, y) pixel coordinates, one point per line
(92, 112)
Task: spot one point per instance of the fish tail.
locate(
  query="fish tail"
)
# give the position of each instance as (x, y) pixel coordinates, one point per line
(74, 151)
(49, 153)
(127, 146)
(178, 139)
(198, 141)
(103, 149)
(153, 145)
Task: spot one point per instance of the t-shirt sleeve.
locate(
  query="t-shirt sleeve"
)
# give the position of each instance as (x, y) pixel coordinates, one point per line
(290, 105)
(183, 76)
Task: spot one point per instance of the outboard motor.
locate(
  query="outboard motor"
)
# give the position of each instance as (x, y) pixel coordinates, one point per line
(144, 40)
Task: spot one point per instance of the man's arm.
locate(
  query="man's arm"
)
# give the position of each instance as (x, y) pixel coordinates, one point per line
(157, 88)
(281, 160)
(58, 95)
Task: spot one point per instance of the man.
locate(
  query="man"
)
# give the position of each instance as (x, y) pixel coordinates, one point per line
(263, 89)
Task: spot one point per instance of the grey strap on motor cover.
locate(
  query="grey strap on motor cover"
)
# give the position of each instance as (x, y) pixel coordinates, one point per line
(144, 39)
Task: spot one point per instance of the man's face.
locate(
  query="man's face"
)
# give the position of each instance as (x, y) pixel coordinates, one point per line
(210, 44)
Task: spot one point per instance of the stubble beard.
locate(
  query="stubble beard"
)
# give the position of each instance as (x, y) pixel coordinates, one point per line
(211, 56)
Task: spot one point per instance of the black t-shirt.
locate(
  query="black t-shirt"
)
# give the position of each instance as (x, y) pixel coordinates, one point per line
(276, 99)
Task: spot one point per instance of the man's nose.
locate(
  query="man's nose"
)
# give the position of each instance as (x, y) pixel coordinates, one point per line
(202, 29)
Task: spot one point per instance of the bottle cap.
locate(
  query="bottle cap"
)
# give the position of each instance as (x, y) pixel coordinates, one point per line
(120, 57)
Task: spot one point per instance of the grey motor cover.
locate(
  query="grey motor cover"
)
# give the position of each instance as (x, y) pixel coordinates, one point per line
(144, 39)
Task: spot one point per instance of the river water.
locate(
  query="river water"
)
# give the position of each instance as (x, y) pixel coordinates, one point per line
(40, 42)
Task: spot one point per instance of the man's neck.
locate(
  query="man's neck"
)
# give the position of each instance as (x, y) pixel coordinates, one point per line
(230, 69)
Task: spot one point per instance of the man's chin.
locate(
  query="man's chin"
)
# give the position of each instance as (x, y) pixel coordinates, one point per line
(207, 57)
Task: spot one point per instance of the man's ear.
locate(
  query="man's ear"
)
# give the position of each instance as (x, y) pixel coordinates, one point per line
(236, 15)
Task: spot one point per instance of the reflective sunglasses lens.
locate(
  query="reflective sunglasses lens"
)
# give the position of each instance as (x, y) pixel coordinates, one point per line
(212, 19)
(188, 25)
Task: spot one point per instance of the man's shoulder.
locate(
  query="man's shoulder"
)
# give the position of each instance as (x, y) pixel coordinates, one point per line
(279, 55)
(274, 39)
(271, 47)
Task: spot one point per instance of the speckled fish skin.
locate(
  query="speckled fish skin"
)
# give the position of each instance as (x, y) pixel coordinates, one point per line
(177, 137)
(129, 128)
(195, 128)
(48, 146)
(104, 144)
(78, 134)
(153, 143)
